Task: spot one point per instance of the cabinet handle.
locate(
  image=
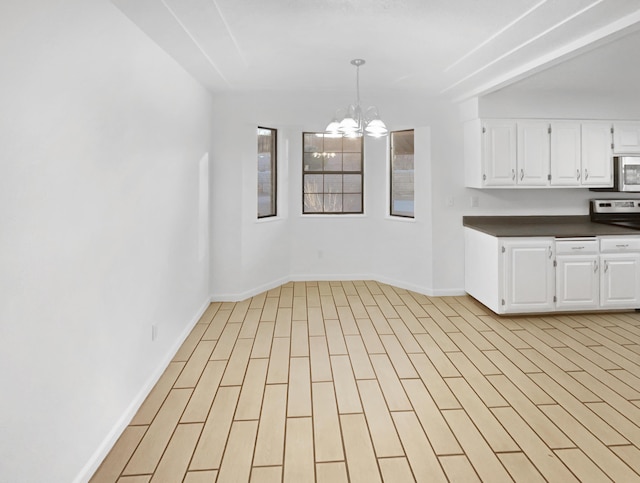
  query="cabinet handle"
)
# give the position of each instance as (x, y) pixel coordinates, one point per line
(586, 174)
(521, 174)
(578, 174)
(606, 266)
(513, 174)
(550, 252)
(625, 245)
(595, 266)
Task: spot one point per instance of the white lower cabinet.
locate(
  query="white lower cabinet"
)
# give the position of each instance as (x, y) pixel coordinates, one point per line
(577, 274)
(540, 274)
(577, 282)
(528, 275)
(620, 280)
(510, 275)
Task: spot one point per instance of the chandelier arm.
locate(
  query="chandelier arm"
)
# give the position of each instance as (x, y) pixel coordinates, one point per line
(357, 122)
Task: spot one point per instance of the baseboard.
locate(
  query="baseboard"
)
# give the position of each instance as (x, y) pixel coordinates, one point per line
(452, 292)
(331, 277)
(239, 296)
(407, 286)
(103, 450)
(430, 292)
(236, 297)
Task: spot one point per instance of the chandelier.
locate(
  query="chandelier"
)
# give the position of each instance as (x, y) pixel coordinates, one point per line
(353, 121)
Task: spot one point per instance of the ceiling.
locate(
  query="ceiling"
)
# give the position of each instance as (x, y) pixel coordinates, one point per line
(456, 49)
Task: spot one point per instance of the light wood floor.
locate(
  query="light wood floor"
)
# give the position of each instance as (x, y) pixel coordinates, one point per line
(363, 382)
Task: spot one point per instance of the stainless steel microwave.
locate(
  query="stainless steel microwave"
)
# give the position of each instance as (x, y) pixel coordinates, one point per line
(626, 175)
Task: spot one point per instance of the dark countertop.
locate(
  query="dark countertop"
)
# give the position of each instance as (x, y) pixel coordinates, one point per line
(555, 226)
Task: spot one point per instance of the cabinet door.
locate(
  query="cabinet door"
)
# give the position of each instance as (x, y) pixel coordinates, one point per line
(626, 138)
(528, 278)
(577, 282)
(597, 163)
(565, 154)
(533, 153)
(620, 280)
(499, 153)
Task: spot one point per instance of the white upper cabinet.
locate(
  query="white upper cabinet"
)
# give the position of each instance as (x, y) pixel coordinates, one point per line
(597, 163)
(499, 153)
(533, 153)
(626, 138)
(520, 153)
(566, 153)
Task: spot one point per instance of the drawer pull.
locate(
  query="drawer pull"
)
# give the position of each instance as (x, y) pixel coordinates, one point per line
(625, 245)
(577, 248)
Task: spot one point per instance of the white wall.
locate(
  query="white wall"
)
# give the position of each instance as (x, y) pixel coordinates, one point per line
(250, 255)
(102, 137)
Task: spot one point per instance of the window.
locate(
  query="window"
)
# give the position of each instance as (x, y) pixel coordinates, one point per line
(267, 160)
(331, 174)
(402, 194)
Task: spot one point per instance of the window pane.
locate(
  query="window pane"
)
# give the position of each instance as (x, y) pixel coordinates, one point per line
(333, 162)
(333, 203)
(352, 203)
(352, 161)
(266, 172)
(332, 183)
(312, 163)
(352, 183)
(313, 183)
(402, 174)
(312, 143)
(352, 145)
(313, 203)
(339, 189)
(333, 145)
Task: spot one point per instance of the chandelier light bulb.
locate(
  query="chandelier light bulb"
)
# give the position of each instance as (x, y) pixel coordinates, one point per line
(354, 123)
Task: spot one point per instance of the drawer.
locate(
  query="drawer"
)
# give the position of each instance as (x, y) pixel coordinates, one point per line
(576, 246)
(615, 244)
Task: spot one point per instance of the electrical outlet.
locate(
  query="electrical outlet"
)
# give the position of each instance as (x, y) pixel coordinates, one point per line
(154, 332)
(474, 202)
(450, 201)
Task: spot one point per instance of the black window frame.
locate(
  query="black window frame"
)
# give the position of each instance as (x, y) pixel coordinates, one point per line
(391, 173)
(329, 172)
(274, 174)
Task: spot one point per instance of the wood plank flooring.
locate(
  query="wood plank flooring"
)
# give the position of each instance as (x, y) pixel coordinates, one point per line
(363, 382)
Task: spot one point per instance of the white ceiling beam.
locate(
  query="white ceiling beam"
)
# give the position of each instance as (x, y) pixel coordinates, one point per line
(608, 33)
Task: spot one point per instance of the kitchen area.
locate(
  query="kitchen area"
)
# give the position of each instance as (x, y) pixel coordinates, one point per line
(520, 264)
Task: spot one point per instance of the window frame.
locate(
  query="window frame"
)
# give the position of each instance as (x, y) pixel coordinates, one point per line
(391, 171)
(274, 175)
(334, 172)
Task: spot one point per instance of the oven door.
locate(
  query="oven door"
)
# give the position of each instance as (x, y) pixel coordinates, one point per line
(628, 173)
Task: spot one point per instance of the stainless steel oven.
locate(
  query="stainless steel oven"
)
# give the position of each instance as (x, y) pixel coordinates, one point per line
(623, 212)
